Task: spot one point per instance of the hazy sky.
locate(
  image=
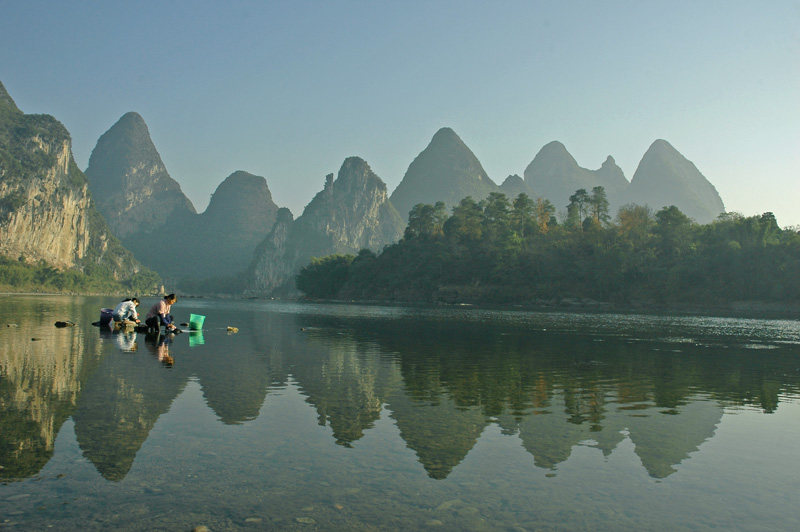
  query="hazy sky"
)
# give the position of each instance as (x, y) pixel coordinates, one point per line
(288, 89)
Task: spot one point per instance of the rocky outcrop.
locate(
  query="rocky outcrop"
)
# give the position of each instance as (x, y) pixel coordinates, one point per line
(275, 259)
(555, 175)
(46, 211)
(351, 213)
(446, 170)
(135, 193)
(664, 177)
(133, 190)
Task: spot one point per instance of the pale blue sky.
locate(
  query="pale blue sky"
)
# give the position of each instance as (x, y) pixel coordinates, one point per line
(288, 90)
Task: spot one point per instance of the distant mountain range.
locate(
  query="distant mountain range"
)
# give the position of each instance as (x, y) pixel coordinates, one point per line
(155, 220)
(46, 213)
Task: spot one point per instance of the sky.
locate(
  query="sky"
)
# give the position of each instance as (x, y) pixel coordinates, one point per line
(288, 90)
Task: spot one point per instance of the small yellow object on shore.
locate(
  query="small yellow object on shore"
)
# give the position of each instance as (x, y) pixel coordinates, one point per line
(233, 329)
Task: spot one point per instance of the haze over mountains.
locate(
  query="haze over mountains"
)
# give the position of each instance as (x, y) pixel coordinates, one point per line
(244, 234)
(155, 220)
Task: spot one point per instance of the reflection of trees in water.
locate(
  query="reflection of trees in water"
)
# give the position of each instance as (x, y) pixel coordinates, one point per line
(115, 397)
(236, 374)
(40, 381)
(442, 382)
(561, 390)
(441, 433)
(345, 381)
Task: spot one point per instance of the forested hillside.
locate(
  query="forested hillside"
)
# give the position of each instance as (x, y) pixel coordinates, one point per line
(502, 251)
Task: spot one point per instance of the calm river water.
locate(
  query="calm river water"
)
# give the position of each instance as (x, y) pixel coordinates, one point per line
(347, 417)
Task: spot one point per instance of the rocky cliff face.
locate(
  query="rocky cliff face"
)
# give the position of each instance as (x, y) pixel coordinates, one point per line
(349, 214)
(446, 170)
(664, 177)
(46, 210)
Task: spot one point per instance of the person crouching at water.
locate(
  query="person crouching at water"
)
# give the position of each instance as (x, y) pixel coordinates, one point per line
(126, 310)
(159, 315)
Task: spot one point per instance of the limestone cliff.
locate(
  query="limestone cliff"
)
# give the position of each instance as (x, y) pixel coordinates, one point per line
(349, 214)
(46, 210)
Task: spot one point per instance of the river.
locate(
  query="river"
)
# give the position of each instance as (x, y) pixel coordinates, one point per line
(358, 417)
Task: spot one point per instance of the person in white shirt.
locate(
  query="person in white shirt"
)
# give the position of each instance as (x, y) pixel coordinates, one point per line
(126, 311)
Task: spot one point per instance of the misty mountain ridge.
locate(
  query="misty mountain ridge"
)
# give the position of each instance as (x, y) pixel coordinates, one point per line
(448, 171)
(146, 208)
(155, 219)
(556, 175)
(665, 177)
(352, 212)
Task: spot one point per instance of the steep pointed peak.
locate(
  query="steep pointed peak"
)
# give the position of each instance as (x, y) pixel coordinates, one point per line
(665, 177)
(446, 170)
(354, 173)
(132, 117)
(660, 149)
(611, 176)
(130, 124)
(448, 145)
(446, 138)
(6, 102)
(610, 168)
(131, 135)
(355, 163)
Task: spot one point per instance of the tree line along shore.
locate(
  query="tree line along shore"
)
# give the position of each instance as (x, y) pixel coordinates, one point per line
(499, 251)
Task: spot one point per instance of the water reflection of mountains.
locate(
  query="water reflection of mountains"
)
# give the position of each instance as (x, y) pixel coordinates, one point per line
(442, 383)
